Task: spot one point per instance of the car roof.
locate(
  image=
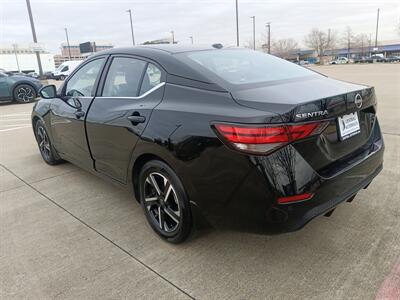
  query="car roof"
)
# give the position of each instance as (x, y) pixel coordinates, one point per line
(167, 48)
(165, 56)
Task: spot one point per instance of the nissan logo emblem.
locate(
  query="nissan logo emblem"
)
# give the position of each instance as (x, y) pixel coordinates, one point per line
(358, 100)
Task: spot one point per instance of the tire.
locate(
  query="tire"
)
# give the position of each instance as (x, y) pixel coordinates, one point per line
(24, 93)
(164, 201)
(46, 149)
(62, 77)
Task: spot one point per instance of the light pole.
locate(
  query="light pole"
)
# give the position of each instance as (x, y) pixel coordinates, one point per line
(269, 36)
(369, 45)
(37, 51)
(237, 23)
(69, 47)
(191, 38)
(16, 56)
(376, 32)
(130, 18)
(173, 36)
(254, 32)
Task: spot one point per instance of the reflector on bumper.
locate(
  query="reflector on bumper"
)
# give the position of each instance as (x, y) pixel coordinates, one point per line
(295, 198)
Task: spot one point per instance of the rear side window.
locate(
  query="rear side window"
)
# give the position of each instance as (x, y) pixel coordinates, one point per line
(123, 78)
(151, 78)
(240, 66)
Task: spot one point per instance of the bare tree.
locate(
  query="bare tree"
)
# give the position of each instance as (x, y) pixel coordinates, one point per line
(318, 40)
(362, 41)
(249, 44)
(332, 41)
(349, 39)
(284, 47)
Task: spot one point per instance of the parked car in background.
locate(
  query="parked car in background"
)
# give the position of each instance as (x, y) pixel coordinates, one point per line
(16, 73)
(360, 60)
(393, 58)
(370, 59)
(33, 75)
(340, 60)
(65, 69)
(243, 139)
(303, 62)
(22, 89)
(48, 75)
(377, 58)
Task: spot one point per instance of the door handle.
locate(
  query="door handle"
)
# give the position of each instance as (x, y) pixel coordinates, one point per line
(137, 119)
(79, 114)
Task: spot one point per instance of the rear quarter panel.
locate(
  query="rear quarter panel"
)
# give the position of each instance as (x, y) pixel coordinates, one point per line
(180, 132)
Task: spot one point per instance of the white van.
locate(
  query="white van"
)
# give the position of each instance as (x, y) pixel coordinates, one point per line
(65, 69)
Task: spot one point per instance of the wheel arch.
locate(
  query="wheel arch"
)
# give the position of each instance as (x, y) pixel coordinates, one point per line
(40, 112)
(138, 164)
(35, 119)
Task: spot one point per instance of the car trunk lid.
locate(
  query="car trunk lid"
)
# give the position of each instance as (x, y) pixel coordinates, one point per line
(316, 99)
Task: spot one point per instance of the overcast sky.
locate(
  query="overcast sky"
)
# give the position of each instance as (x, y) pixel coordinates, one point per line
(207, 21)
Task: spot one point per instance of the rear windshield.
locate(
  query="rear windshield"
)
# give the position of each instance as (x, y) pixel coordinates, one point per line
(242, 66)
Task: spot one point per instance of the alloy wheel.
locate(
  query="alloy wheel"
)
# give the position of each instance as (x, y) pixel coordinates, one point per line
(161, 202)
(44, 144)
(25, 94)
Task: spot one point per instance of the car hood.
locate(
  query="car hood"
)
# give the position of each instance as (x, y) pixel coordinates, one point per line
(26, 79)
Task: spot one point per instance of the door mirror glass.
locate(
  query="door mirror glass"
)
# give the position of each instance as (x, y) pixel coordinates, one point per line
(48, 91)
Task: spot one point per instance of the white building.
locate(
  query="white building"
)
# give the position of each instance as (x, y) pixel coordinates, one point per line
(23, 59)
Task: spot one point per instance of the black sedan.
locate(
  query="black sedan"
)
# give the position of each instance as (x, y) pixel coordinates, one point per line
(21, 89)
(233, 137)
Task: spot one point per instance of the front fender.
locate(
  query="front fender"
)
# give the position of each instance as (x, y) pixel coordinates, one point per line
(41, 111)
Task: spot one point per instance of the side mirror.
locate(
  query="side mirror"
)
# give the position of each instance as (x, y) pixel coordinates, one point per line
(48, 91)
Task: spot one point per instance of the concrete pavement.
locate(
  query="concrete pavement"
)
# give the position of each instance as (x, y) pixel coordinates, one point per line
(66, 234)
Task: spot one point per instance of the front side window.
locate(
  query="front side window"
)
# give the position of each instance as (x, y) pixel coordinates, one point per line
(65, 69)
(152, 77)
(82, 82)
(239, 66)
(123, 78)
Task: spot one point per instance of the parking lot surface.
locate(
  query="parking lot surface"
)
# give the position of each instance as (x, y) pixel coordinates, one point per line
(66, 234)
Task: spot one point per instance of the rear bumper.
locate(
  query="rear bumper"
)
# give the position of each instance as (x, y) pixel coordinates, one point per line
(253, 206)
(330, 194)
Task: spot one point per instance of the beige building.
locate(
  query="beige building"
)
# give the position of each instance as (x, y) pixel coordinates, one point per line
(75, 52)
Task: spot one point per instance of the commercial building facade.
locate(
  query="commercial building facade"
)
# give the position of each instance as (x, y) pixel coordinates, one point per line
(23, 59)
(72, 52)
(359, 52)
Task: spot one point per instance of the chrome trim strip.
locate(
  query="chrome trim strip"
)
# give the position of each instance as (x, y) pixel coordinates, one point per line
(138, 97)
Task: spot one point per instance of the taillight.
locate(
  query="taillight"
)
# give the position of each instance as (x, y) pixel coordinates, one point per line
(295, 198)
(262, 139)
